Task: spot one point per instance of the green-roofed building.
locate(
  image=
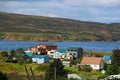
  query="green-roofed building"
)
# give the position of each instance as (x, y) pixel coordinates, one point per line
(29, 53)
(61, 50)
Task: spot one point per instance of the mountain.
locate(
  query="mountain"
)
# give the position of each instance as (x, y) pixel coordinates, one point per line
(40, 28)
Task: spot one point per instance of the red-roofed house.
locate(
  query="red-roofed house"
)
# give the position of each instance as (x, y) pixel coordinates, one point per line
(96, 63)
(48, 49)
(33, 49)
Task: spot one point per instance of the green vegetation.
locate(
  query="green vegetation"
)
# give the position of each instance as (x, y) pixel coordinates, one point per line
(16, 56)
(114, 68)
(39, 28)
(20, 68)
(16, 71)
(55, 71)
(3, 76)
(96, 54)
(86, 68)
(84, 74)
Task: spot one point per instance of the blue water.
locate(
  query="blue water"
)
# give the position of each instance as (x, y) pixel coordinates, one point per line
(94, 46)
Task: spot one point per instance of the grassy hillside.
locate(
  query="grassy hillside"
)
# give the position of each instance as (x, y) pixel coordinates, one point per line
(39, 28)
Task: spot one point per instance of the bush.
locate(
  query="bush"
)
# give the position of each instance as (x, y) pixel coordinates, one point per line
(102, 77)
(3, 76)
(86, 68)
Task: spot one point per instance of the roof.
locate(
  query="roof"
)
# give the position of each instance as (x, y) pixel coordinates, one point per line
(91, 60)
(39, 56)
(47, 44)
(73, 48)
(61, 50)
(106, 57)
(32, 47)
(28, 53)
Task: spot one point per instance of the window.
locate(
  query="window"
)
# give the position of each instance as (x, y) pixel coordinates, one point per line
(74, 54)
(75, 50)
(51, 52)
(70, 53)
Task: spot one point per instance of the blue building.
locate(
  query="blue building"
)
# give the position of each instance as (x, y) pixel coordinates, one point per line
(40, 58)
(107, 59)
(74, 52)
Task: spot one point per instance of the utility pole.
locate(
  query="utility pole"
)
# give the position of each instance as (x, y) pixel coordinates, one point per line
(54, 73)
(27, 73)
(32, 73)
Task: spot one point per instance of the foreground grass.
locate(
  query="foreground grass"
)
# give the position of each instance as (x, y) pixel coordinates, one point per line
(40, 69)
(83, 74)
(20, 68)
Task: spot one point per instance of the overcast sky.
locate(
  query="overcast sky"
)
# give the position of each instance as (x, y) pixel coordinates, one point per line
(105, 11)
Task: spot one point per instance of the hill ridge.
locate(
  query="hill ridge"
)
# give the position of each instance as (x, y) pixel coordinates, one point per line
(55, 29)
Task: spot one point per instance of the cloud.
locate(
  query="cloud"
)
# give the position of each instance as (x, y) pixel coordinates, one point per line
(106, 2)
(92, 2)
(75, 9)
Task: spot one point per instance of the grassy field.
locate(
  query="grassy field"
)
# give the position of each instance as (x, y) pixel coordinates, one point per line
(20, 68)
(40, 69)
(83, 74)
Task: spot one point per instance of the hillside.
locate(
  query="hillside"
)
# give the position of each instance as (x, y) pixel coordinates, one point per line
(39, 28)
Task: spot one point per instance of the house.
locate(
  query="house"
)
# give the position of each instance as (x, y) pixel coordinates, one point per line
(33, 49)
(48, 49)
(61, 53)
(96, 63)
(40, 58)
(107, 59)
(74, 53)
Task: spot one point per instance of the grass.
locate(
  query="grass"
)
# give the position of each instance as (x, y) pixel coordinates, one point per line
(20, 68)
(83, 74)
(40, 69)
(97, 54)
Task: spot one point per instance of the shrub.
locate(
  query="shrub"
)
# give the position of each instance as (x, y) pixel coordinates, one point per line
(86, 68)
(3, 76)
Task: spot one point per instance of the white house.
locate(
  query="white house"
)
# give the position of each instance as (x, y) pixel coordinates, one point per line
(61, 53)
(96, 63)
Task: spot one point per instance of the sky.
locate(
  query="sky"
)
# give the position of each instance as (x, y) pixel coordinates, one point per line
(103, 11)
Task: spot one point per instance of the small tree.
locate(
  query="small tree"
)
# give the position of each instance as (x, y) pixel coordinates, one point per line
(113, 69)
(86, 68)
(20, 51)
(116, 57)
(4, 55)
(55, 70)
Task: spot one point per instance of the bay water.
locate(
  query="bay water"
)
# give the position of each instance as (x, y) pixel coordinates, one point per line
(93, 46)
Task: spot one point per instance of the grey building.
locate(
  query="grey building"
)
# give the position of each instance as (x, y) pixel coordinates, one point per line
(74, 52)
